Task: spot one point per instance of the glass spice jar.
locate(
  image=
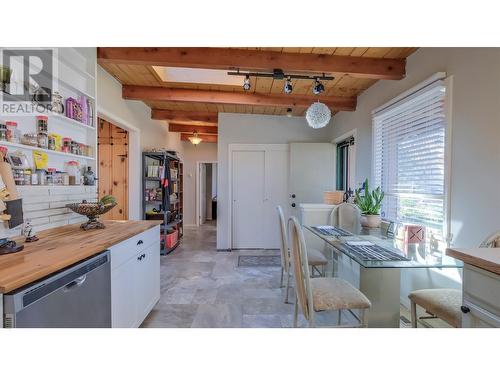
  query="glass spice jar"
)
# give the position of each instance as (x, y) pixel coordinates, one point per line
(42, 124)
(66, 146)
(30, 139)
(52, 143)
(51, 176)
(75, 148)
(42, 140)
(3, 132)
(12, 132)
(27, 176)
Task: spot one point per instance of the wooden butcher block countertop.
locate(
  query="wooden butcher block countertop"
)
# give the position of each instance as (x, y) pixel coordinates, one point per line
(61, 247)
(487, 258)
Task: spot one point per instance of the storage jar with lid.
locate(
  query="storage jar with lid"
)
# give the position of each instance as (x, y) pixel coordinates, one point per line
(66, 146)
(52, 143)
(12, 132)
(41, 176)
(73, 169)
(27, 176)
(3, 132)
(41, 124)
(51, 176)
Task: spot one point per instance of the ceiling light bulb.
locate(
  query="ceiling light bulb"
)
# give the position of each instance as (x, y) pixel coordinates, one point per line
(289, 112)
(195, 140)
(318, 87)
(288, 86)
(246, 83)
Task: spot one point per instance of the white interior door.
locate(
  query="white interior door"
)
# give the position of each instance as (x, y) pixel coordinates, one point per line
(248, 176)
(276, 193)
(203, 193)
(312, 172)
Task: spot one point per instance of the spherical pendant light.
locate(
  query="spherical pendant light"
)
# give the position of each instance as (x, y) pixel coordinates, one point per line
(318, 115)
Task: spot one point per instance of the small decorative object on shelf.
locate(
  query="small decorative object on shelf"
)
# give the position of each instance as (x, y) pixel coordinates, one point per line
(29, 232)
(93, 211)
(369, 204)
(57, 103)
(89, 177)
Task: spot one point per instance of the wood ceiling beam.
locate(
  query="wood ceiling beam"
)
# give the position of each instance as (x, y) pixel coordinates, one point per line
(254, 60)
(151, 93)
(179, 128)
(193, 118)
(207, 138)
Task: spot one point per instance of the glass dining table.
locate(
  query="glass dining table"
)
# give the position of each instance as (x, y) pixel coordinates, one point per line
(374, 263)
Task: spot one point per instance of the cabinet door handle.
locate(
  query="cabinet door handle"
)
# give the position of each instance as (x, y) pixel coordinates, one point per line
(465, 309)
(139, 258)
(140, 242)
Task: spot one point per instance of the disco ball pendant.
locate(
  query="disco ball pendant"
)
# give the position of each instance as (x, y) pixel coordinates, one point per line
(318, 115)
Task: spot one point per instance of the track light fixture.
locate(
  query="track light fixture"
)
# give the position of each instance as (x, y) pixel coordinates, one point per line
(246, 83)
(288, 86)
(278, 74)
(318, 87)
(288, 112)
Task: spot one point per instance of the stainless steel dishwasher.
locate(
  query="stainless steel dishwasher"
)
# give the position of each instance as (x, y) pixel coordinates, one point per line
(77, 297)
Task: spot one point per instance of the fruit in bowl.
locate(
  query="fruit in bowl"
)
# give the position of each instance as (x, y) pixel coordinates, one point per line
(93, 210)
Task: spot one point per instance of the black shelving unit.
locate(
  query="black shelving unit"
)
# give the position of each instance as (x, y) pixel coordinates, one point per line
(165, 208)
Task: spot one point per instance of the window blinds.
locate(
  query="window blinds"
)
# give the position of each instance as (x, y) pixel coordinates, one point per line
(409, 157)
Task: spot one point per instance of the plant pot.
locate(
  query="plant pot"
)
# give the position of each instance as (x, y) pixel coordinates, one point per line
(371, 221)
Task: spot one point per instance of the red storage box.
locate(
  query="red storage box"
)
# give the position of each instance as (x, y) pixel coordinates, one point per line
(171, 239)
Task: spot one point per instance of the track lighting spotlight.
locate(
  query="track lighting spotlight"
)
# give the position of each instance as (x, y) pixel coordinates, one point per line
(246, 83)
(288, 86)
(318, 87)
(288, 112)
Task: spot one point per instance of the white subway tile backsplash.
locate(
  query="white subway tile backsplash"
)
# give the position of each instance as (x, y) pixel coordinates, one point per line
(45, 206)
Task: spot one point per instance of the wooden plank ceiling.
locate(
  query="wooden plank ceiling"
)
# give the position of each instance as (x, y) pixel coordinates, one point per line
(198, 104)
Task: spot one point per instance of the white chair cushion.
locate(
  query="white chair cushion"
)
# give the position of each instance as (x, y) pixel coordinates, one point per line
(331, 293)
(443, 303)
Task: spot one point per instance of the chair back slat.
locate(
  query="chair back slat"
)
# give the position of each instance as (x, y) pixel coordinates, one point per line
(285, 251)
(300, 266)
(492, 241)
(346, 216)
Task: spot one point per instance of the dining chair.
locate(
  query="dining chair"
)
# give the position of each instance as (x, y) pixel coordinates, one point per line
(322, 293)
(444, 303)
(315, 257)
(346, 216)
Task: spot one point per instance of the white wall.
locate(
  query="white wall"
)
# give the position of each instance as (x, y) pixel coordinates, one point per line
(192, 154)
(475, 168)
(145, 133)
(254, 129)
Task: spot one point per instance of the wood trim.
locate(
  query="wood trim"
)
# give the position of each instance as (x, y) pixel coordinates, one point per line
(199, 118)
(180, 128)
(207, 138)
(149, 93)
(230, 59)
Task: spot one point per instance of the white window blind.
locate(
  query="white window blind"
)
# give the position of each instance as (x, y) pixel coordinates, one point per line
(409, 158)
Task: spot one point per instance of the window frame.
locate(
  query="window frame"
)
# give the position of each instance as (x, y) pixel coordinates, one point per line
(448, 102)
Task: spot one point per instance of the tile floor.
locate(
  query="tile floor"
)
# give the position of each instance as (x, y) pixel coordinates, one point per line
(201, 287)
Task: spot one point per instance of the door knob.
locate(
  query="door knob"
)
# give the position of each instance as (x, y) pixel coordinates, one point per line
(465, 309)
(293, 205)
(293, 195)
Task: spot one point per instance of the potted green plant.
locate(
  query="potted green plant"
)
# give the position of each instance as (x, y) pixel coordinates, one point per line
(5, 74)
(369, 204)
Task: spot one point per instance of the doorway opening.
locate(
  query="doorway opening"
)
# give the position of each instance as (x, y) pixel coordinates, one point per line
(206, 197)
(113, 167)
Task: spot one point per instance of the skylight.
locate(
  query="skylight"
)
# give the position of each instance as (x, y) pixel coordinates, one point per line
(198, 76)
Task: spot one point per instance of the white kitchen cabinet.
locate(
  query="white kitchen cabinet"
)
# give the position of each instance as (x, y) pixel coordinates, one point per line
(481, 298)
(146, 282)
(135, 278)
